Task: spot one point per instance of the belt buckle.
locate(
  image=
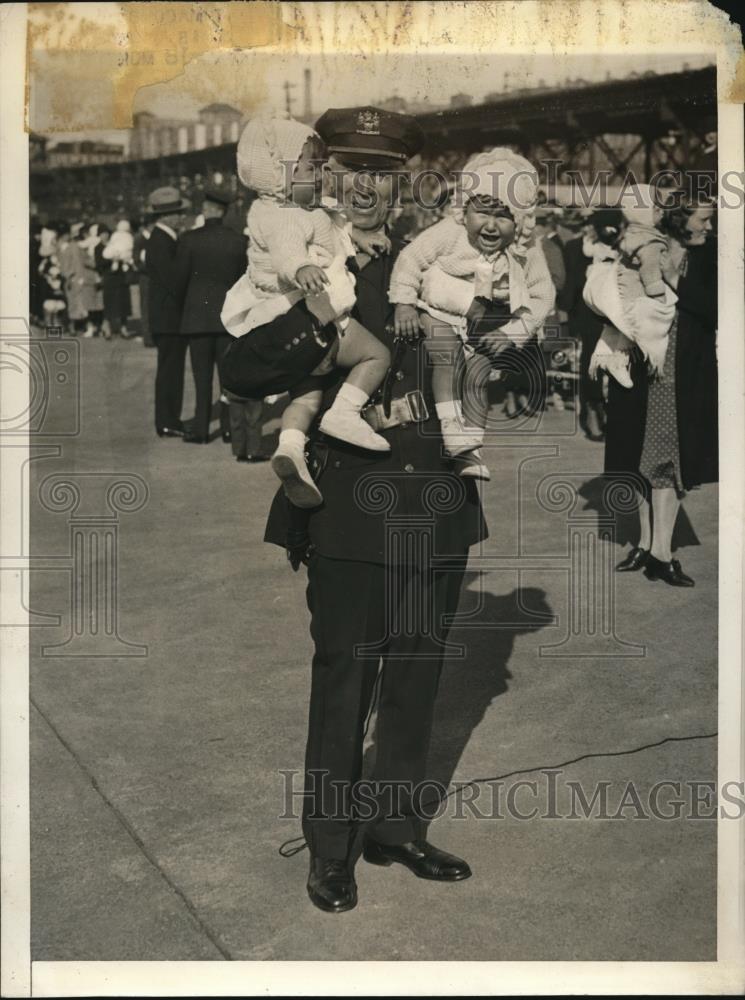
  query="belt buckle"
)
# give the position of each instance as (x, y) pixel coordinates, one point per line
(417, 406)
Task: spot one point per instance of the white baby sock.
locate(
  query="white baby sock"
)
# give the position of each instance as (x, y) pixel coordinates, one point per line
(292, 438)
(350, 399)
(449, 410)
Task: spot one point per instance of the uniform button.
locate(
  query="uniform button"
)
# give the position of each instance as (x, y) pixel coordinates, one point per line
(288, 347)
(408, 468)
(400, 376)
(337, 464)
(296, 340)
(303, 336)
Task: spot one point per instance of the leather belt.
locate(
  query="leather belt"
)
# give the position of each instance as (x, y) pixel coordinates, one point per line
(408, 409)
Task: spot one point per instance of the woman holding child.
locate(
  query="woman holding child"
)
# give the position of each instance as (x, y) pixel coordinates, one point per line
(663, 426)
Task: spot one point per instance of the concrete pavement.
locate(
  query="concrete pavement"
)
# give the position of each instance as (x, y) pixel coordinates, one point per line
(156, 791)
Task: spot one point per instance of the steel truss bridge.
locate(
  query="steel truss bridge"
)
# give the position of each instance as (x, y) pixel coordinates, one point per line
(644, 124)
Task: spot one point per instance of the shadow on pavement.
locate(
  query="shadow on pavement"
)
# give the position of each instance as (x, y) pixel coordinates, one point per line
(627, 525)
(469, 686)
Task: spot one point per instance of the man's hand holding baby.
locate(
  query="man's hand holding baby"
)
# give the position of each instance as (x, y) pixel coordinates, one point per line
(371, 243)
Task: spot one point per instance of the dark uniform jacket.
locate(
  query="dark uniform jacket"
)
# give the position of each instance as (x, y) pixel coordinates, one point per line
(166, 284)
(412, 486)
(211, 259)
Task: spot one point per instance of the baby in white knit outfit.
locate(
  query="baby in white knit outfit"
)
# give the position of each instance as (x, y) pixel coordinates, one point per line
(474, 279)
(292, 308)
(630, 292)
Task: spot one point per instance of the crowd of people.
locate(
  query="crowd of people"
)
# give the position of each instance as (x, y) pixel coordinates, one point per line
(327, 301)
(83, 277)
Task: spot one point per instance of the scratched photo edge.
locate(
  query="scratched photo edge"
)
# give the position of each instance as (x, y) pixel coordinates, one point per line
(210, 978)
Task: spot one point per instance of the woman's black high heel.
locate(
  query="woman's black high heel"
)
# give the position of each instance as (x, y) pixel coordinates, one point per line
(669, 572)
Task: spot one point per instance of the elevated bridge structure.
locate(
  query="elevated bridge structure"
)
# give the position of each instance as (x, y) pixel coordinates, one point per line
(645, 124)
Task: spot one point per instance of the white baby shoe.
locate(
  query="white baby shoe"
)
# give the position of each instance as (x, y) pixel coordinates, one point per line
(617, 365)
(349, 426)
(459, 437)
(290, 465)
(470, 465)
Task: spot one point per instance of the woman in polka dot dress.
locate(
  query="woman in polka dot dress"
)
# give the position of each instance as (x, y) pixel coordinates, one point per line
(664, 428)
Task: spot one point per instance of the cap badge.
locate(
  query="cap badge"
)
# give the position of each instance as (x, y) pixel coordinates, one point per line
(368, 123)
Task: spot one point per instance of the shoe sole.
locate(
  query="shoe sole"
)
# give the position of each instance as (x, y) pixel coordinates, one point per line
(325, 907)
(469, 474)
(297, 491)
(386, 863)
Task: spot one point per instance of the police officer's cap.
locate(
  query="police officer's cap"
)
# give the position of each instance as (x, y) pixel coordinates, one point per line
(221, 196)
(370, 138)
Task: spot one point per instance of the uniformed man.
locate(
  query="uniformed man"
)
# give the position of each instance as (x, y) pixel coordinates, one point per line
(165, 299)
(374, 595)
(212, 258)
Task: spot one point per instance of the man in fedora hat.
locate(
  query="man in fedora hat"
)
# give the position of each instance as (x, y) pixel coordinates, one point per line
(211, 258)
(167, 208)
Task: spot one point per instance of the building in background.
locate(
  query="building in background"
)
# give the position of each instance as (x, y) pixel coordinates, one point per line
(84, 153)
(153, 137)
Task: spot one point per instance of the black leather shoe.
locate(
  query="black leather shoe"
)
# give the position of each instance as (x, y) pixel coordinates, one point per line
(331, 885)
(191, 438)
(258, 457)
(170, 432)
(669, 572)
(634, 560)
(419, 857)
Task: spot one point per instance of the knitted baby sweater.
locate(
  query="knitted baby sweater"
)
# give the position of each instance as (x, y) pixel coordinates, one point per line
(424, 271)
(283, 237)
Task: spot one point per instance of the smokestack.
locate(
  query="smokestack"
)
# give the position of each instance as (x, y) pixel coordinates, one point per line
(306, 82)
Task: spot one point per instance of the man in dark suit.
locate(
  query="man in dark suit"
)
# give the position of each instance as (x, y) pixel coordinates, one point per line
(372, 591)
(211, 259)
(167, 208)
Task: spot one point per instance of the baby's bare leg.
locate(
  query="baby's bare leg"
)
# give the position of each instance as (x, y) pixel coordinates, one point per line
(364, 355)
(445, 354)
(301, 411)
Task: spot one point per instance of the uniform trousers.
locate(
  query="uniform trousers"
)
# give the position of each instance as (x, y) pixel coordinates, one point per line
(398, 614)
(246, 426)
(205, 351)
(169, 379)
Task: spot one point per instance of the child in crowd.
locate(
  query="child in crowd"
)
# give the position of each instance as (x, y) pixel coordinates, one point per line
(474, 280)
(631, 293)
(120, 248)
(291, 310)
(53, 291)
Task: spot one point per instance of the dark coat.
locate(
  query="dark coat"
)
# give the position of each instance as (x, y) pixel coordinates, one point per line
(696, 384)
(211, 259)
(584, 324)
(166, 290)
(359, 487)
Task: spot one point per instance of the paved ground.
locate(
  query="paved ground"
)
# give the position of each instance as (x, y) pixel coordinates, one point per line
(155, 780)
